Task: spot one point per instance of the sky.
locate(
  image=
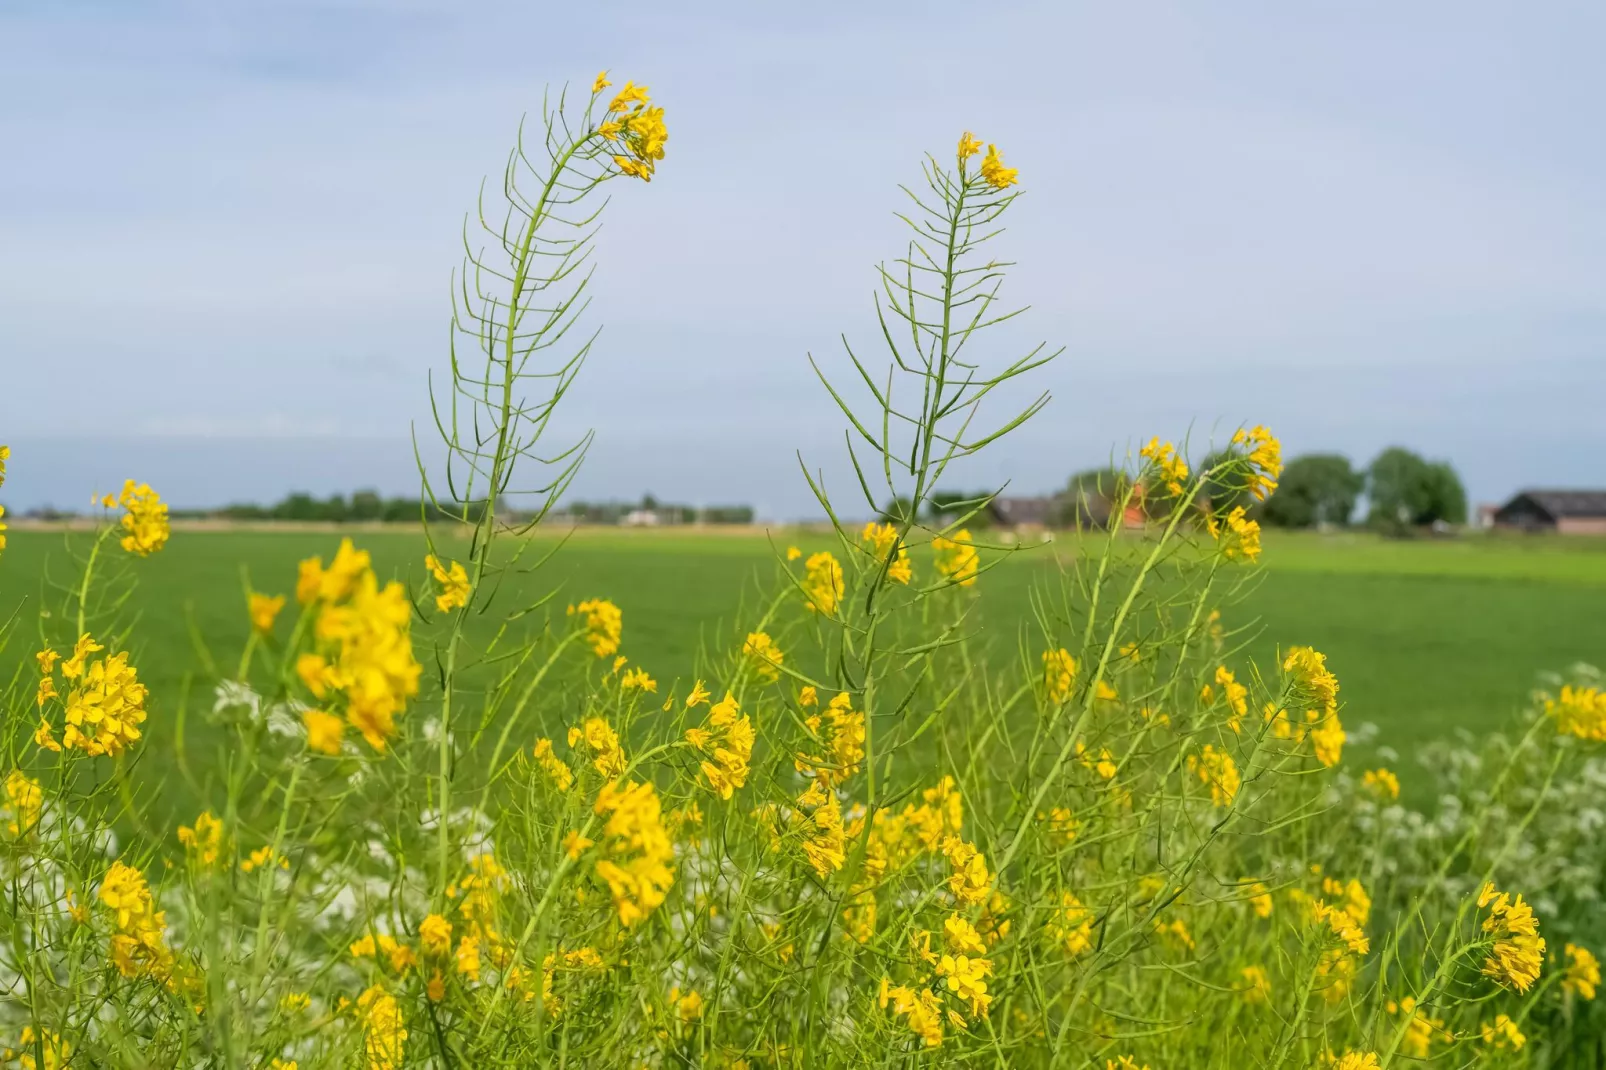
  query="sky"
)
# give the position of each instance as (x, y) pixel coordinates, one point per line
(228, 231)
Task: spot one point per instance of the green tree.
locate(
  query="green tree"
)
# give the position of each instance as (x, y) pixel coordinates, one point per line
(1406, 491)
(1091, 495)
(1318, 488)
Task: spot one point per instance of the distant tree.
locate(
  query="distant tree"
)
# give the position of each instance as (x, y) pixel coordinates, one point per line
(366, 505)
(1091, 495)
(1221, 491)
(1406, 491)
(728, 514)
(899, 510)
(1318, 488)
(298, 506)
(944, 507)
(1447, 498)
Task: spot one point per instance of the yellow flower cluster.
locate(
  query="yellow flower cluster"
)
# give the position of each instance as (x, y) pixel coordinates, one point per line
(1519, 950)
(57, 1053)
(1059, 674)
(763, 655)
(640, 131)
(1070, 925)
(970, 882)
(385, 949)
(1238, 536)
(897, 838)
(1583, 972)
(598, 736)
(994, 172)
(139, 937)
(880, 539)
(956, 559)
(325, 731)
(556, 769)
(1318, 687)
(24, 803)
(1579, 711)
(960, 970)
(1265, 459)
(727, 739)
(1257, 986)
(1236, 695)
(1356, 1060)
(822, 583)
(604, 624)
(452, 581)
(5, 455)
(263, 610)
(637, 848)
(384, 1029)
(1502, 1034)
(824, 838)
(105, 707)
(1382, 782)
(203, 842)
(1216, 770)
(842, 733)
(1168, 463)
(1421, 1031)
(144, 519)
(364, 645)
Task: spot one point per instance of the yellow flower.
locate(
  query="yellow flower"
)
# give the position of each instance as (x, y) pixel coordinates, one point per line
(1420, 1031)
(261, 857)
(435, 936)
(1265, 459)
(1070, 925)
(822, 583)
(204, 841)
(808, 697)
(1168, 463)
(145, 519)
(1059, 674)
(994, 172)
(554, 767)
(970, 882)
(1257, 986)
(2, 527)
(601, 83)
(1583, 972)
(1239, 538)
(138, 944)
(763, 655)
(637, 850)
(1356, 1060)
(5, 455)
(1062, 825)
(384, 1029)
(727, 738)
(630, 94)
(56, 1051)
(1236, 694)
(793, 553)
(1502, 1034)
(881, 538)
(689, 1007)
(324, 731)
(1382, 782)
(637, 679)
(825, 840)
(263, 610)
(1519, 950)
(969, 145)
(842, 731)
(1216, 770)
(574, 844)
(24, 803)
(453, 582)
(105, 711)
(604, 624)
(921, 1011)
(1579, 711)
(956, 558)
(607, 756)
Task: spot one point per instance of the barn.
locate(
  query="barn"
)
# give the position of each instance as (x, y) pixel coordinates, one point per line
(1568, 512)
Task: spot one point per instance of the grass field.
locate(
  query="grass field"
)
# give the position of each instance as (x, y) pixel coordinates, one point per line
(1426, 636)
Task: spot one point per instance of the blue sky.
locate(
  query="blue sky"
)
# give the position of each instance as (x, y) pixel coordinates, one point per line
(227, 230)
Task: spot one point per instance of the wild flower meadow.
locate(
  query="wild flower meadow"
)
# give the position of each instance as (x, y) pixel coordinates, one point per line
(841, 838)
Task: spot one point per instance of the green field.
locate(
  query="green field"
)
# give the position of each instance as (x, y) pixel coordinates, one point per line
(1427, 636)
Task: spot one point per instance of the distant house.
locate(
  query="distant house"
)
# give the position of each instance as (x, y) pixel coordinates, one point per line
(1569, 512)
(1037, 512)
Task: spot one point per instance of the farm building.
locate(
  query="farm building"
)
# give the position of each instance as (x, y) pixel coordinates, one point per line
(1569, 512)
